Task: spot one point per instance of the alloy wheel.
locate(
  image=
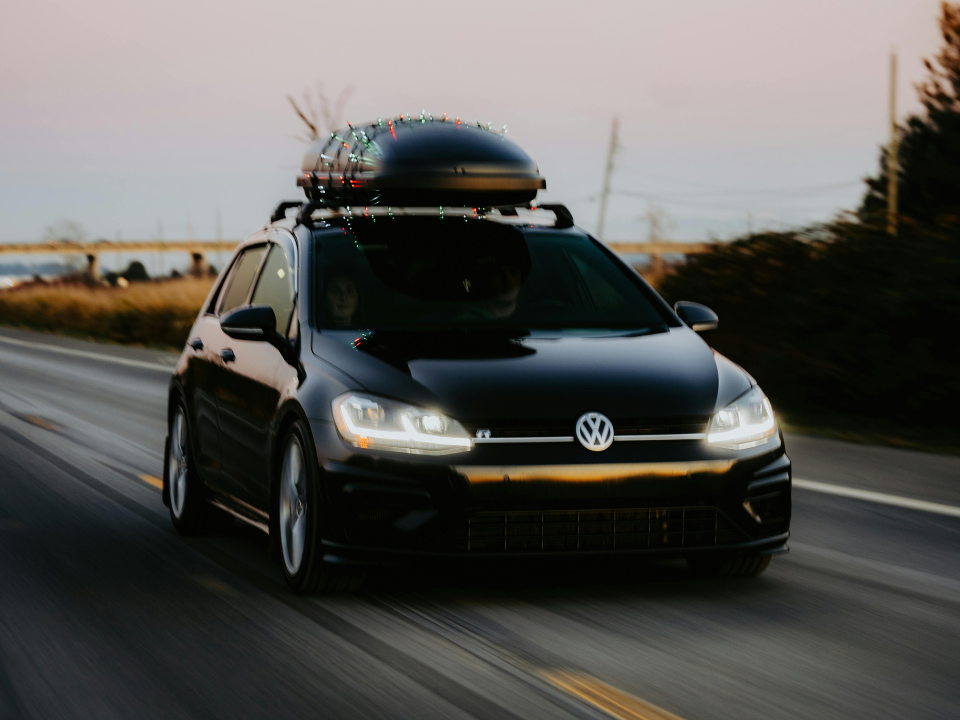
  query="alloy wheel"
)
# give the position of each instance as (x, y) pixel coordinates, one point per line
(177, 464)
(293, 505)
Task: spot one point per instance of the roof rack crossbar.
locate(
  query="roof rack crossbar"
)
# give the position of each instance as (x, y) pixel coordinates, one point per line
(564, 216)
(305, 216)
(507, 214)
(281, 210)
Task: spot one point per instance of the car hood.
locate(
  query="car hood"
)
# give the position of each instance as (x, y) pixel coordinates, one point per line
(664, 374)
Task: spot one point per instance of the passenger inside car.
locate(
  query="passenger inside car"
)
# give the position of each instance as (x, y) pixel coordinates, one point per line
(505, 286)
(342, 299)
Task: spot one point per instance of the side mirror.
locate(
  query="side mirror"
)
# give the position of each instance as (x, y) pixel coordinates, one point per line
(253, 322)
(698, 317)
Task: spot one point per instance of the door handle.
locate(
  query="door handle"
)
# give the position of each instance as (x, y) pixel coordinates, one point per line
(227, 355)
(196, 343)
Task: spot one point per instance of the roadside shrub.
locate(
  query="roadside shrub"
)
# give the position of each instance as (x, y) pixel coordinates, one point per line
(146, 313)
(136, 272)
(843, 317)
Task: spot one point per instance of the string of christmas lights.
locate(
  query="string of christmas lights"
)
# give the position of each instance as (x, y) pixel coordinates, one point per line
(340, 168)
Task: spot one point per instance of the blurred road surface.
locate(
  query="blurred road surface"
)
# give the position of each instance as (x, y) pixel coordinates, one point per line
(106, 613)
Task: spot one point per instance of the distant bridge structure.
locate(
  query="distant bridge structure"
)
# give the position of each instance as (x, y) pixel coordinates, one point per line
(198, 250)
(655, 271)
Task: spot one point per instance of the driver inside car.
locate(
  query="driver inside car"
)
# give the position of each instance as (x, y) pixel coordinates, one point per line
(342, 298)
(506, 288)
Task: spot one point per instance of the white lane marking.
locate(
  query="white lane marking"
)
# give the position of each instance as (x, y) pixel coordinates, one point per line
(85, 354)
(877, 497)
(856, 566)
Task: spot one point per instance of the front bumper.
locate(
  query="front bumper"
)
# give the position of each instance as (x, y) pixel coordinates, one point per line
(363, 556)
(656, 499)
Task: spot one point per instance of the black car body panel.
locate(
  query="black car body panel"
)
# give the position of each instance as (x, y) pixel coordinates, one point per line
(532, 491)
(427, 506)
(664, 374)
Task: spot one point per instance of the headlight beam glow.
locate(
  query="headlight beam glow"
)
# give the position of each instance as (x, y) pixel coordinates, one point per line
(407, 437)
(745, 423)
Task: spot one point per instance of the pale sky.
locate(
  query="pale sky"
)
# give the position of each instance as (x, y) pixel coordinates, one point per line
(126, 115)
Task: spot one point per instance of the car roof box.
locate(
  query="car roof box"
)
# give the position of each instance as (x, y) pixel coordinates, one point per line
(419, 161)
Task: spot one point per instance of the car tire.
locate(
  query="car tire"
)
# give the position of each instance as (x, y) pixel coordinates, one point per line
(297, 519)
(190, 512)
(740, 566)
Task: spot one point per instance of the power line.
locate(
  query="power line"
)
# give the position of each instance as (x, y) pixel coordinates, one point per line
(803, 190)
(718, 190)
(799, 190)
(670, 201)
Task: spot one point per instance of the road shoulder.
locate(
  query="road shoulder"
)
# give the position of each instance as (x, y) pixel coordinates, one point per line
(907, 473)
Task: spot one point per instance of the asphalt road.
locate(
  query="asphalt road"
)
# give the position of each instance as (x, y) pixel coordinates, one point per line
(105, 612)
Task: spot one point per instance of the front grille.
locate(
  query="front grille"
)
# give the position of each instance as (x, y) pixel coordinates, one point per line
(573, 530)
(522, 427)
(661, 426)
(519, 428)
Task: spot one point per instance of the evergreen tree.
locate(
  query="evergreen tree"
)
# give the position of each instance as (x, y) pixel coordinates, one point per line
(929, 152)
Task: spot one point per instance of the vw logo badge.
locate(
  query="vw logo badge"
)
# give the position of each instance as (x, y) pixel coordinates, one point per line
(595, 431)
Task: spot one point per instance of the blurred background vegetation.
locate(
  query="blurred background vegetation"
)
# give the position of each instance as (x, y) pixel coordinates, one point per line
(158, 313)
(847, 317)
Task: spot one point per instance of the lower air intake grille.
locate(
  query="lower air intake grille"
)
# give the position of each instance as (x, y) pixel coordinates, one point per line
(571, 530)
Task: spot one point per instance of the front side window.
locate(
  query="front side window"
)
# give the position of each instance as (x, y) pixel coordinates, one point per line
(238, 285)
(275, 287)
(431, 274)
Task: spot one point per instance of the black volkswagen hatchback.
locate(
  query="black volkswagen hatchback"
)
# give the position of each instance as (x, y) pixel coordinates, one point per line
(421, 366)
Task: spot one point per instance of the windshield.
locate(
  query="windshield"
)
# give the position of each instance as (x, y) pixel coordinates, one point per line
(430, 274)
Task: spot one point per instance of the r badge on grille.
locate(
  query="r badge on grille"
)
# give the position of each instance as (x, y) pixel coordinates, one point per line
(595, 431)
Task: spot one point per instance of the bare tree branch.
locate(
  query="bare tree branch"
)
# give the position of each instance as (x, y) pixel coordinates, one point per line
(314, 134)
(658, 222)
(318, 113)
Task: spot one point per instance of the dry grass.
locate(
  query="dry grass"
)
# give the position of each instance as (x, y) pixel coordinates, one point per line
(152, 313)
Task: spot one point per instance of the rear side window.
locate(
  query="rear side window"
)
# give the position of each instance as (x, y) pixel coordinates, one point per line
(238, 286)
(275, 287)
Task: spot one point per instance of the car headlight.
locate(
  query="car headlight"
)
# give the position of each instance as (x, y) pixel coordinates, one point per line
(377, 423)
(745, 423)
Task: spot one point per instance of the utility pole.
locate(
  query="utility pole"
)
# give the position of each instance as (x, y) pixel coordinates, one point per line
(160, 239)
(219, 237)
(605, 193)
(893, 164)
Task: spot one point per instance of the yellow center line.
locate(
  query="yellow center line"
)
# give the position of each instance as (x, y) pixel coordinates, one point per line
(215, 584)
(39, 422)
(612, 701)
(151, 480)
